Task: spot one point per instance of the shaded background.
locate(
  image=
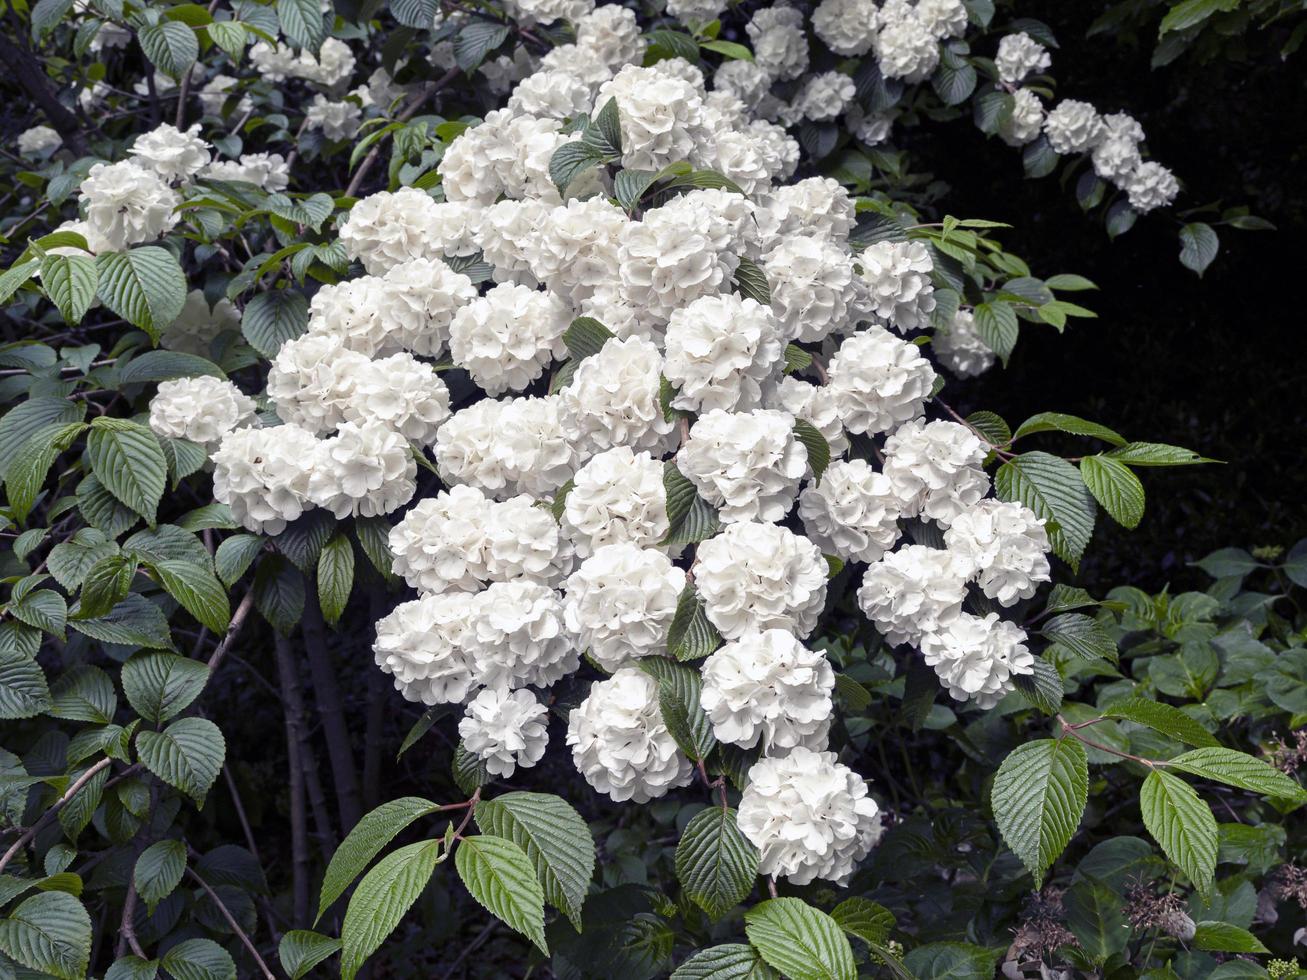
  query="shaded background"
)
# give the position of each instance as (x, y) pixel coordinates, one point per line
(1214, 364)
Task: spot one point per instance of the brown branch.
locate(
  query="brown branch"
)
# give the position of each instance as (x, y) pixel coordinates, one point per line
(409, 111)
(233, 628)
(326, 692)
(299, 844)
(235, 926)
(127, 931)
(49, 814)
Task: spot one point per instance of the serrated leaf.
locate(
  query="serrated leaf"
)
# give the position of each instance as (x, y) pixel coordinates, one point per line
(629, 186)
(816, 445)
(715, 864)
(302, 22)
(50, 933)
(1182, 824)
(476, 40)
(158, 870)
(1115, 487)
(469, 770)
(1072, 424)
(570, 161)
(1080, 635)
(274, 317)
(691, 636)
(335, 577)
(751, 282)
(730, 961)
(170, 45)
(499, 875)
(997, 326)
(1156, 454)
(868, 920)
(44, 609)
(197, 589)
(1238, 769)
(198, 959)
(187, 755)
(301, 950)
(128, 462)
(70, 281)
(1038, 798)
(1199, 244)
(1055, 491)
(23, 688)
(162, 685)
(29, 417)
(690, 518)
(235, 555)
(364, 842)
(145, 286)
(1042, 687)
(165, 365)
(800, 941)
(1162, 718)
(679, 689)
(1222, 937)
(586, 336)
(84, 693)
(279, 593)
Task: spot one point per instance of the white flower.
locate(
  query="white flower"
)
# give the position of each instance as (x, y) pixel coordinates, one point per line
(421, 297)
(171, 153)
(1006, 546)
(746, 80)
(878, 380)
(760, 577)
(439, 545)
(338, 120)
(507, 154)
(1116, 157)
(215, 93)
(779, 149)
(620, 743)
(719, 350)
(851, 512)
(507, 447)
(768, 686)
(1073, 127)
(420, 644)
(39, 141)
(912, 592)
(505, 338)
(739, 156)
(267, 171)
(814, 287)
(1026, 120)
(976, 658)
(523, 541)
(126, 205)
(575, 251)
(263, 475)
(1150, 185)
(748, 464)
(905, 46)
(936, 469)
(695, 11)
(505, 729)
(943, 18)
(583, 63)
(662, 115)
(780, 46)
(960, 347)
(620, 603)
(359, 312)
(1020, 55)
(516, 636)
(313, 378)
(508, 235)
(610, 306)
(810, 817)
(812, 403)
(897, 275)
(618, 496)
(816, 207)
(198, 324)
(385, 229)
(109, 36)
(612, 32)
(530, 12)
(825, 95)
(848, 27)
(365, 470)
(871, 129)
(201, 409)
(552, 94)
(613, 399)
(402, 393)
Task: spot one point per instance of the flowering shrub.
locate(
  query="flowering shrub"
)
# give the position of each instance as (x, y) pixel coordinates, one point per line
(616, 430)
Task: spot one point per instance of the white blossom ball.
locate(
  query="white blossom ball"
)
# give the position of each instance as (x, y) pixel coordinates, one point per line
(613, 399)
(912, 592)
(312, 380)
(581, 62)
(551, 94)
(421, 298)
(171, 153)
(199, 324)
(746, 80)
(809, 816)
(618, 496)
(943, 18)
(611, 307)
(1117, 155)
(402, 393)
(814, 287)
(825, 95)
(815, 404)
(1020, 55)
(620, 743)
(779, 149)
(780, 46)
(815, 207)
(576, 249)
(905, 46)
(362, 313)
(612, 32)
(517, 638)
(508, 447)
(440, 545)
(126, 205)
(364, 469)
(748, 464)
(1025, 122)
(266, 171)
(338, 119)
(508, 236)
(505, 729)
(529, 12)
(878, 381)
(385, 229)
(505, 338)
(897, 275)
(1150, 185)
(202, 409)
(768, 688)
(523, 541)
(870, 128)
(719, 351)
(620, 603)
(758, 577)
(662, 115)
(959, 347)
(1073, 126)
(1006, 546)
(848, 27)
(936, 469)
(976, 658)
(695, 11)
(263, 475)
(740, 157)
(851, 512)
(39, 141)
(420, 644)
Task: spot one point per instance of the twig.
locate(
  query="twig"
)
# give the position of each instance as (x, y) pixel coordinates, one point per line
(49, 814)
(234, 627)
(326, 692)
(127, 932)
(409, 111)
(231, 921)
(298, 818)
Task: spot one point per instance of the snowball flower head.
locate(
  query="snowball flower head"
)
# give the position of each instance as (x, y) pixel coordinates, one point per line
(825, 95)
(614, 398)
(809, 815)
(421, 298)
(126, 205)
(976, 658)
(402, 393)
(575, 250)
(897, 275)
(364, 469)
(1026, 120)
(848, 27)
(618, 496)
(768, 687)
(813, 404)
(814, 287)
(1117, 155)
(263, 475)
(662, 115)
(505, 338)
(420, 644)
(912, 592)
(267, 171)
(522, 540)
(1150, 185)
(878, 380)
(338, 120)
(960, 348)
(935, 469)
(852, 511)
(748, 464)
(201, 409)
(39, 141)
(620, 743)
(508, 447)
(1020, 55)
(612, 32)
(505, 729)
(673, 256)
(780, 46)
(516, 636)
(943, 18)
(1073, 127)
(1006, 545)
(761, 576)
(313, 378)
(385, 229)
(719, 350)
(620, 603)
(816, 207)
(172, 153)
(905, 45)
(439, 545)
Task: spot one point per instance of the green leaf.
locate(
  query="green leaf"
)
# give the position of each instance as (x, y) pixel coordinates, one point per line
(800, 941)
(869, 921)
(991, 427)
(1069, 282)
(1156, 454)
(127, 460)
(679, 689)
(728, 49)
(1038, 798)
(16, 276)
(1162, 718)
(70, 560)
(716, 865)
(751, 282)
(605, 130)
(335, 577)
(1182, 824)
(1116, 487)
(165, 365)
(162, 685)
(730, 961)
(570, 161)
(1199, 244)
(145, 286)
(553, 836)
(586, 336)
(132, 967)
(1055, 491)
(198, 959)
(476, 40)
(690, 518)
(84, 693)
(629, 186)
(279, 593)
(955, 79)
(816, 445)
(272, 318)
(1189, 13)
(135, 621)
(498, 874)
(230, 35)
(302, 22)
(1238, 769)
(234, 556)
(28, 473)
(469, 771)
(954, 961)
(29, 417)
(197, 589)
(158, 870)
(691, 636)
(1222, 937)
(1093, 914)
(171, 46)
(1042, 687)
(23, 689)
(796, 358)
(1072, 424)
(188, 755)
(997, 327)
(364, 842)
(50, 933)
(302, 949)
(1081, 635)
(70, 281)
